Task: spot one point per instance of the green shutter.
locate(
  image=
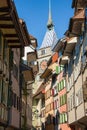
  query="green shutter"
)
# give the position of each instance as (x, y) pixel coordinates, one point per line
(60, 118)
(57, 69)
(59, 86)
(65, 117)
(64, 83)
(64, 99)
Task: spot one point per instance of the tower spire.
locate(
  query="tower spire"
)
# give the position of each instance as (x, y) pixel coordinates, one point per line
(50, 23)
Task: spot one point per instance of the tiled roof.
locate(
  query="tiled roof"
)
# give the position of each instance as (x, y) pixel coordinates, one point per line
(49, 39)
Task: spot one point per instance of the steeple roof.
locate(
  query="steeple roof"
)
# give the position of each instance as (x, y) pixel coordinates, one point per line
(50, 37)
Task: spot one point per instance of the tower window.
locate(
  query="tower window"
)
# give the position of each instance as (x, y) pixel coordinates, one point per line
(43, 52)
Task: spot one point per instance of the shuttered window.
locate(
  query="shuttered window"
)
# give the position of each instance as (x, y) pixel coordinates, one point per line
(63, 100)
(61, 85)
(63, 118)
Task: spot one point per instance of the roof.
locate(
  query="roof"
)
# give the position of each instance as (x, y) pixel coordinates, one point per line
(50, 38)
(13, 29)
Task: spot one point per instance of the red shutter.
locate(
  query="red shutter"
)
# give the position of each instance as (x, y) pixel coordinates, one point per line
(52, 92)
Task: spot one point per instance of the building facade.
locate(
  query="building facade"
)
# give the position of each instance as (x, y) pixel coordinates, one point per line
(13, 37)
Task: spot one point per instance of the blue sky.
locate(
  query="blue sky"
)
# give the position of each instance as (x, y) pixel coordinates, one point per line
(35, 14)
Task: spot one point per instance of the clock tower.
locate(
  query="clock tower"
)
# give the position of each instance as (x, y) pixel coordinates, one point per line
(50, 38)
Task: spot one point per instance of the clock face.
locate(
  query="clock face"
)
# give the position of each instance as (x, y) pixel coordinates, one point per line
(43, 64)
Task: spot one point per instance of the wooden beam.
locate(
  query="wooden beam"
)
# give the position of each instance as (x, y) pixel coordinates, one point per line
(13, 45)
(2, 18)
(13, 41)
(7, 26)
(10, 35)
(4, 9)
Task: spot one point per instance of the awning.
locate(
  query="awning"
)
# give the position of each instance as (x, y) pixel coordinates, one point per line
(70, 46)
(46, 74)
(40, 91)
(76, 24)
(59, 45)
(27, 73)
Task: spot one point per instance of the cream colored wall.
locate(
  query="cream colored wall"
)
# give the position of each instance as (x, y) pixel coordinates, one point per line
(29, 107)
(71, 116)
(37, 120)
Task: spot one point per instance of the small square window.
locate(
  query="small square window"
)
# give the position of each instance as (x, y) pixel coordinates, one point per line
(43, 52)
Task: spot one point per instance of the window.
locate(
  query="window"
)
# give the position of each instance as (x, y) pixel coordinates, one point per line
(71, 102)
(15, 71)
(79, 97)
(55, 90)
(5, 52)
(61, 85)
(43, 102)
(11, 59)
(10, 98)
(15, 100)
(32, 63)
(59, 69)
(43, 52)
(63, 100)
(63, 118)
(23, 108)
(18, 103)
(56, 104)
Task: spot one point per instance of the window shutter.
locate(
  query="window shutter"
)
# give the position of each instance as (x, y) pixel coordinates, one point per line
(57, 69)
(52, 92)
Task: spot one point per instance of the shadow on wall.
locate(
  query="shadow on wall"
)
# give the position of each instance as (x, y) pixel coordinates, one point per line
(33, 128)
(52, 122)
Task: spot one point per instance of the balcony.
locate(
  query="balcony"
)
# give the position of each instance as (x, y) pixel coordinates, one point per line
(13, 30)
